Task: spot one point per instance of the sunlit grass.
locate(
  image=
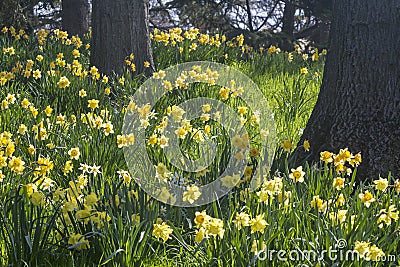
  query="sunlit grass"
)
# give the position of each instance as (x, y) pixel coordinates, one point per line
(55, 212)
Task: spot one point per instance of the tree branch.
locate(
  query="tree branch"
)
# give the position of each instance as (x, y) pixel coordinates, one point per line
(268, 16)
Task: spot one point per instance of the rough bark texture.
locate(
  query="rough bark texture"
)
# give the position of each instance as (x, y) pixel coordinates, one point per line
(288, 18)
(120, 27)
(75, 16)
(359, 103)
(288, 25)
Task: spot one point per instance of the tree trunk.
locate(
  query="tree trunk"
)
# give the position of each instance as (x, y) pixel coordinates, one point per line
(75, 16)
(120, 27)
(359, 102)
(288, 25)
(249, 17)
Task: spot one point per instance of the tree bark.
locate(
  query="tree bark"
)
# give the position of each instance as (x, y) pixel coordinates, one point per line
(288, 25)
(359, 102)
(75, 16)
(120, 27)
(249, 17)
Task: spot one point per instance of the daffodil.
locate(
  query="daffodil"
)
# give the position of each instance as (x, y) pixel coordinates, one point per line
(362, 248)
(340, 201)
(200, 235)
(381, 184)
(74, 153)
(95, 170)
(162, 172)
(319, 203)
(297, 175)
(177, 113)
(255, 246)
(338, 183)
(306, 145)
(79, 242)
(83, 215)
(386, 216)
(93, 103)
(287, 145)
(215, 227)
(241, 220)
(91, 199)
(201, 218)
(338, 217)
(63, 82)
(37, 74)
(37, 198)
(230, 181)
(125, 175)
(367, 198)
(258, 224)
(304, 70)
(326, 156)
(191, 194)
(82, 93)
(375, 253)
(162, 231)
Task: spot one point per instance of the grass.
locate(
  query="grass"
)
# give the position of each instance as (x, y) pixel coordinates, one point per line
(55, 213)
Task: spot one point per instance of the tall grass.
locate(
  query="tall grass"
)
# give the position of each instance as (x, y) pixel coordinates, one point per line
(38, 229)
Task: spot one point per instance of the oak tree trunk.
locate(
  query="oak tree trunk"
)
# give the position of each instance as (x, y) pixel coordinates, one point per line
(120, 27)
(288, 25)
(359, 102)
(75, 16)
